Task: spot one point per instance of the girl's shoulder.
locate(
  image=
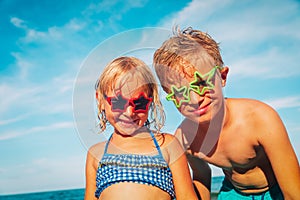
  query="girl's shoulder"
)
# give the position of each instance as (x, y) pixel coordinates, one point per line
(170, 146)
(97, 150)
(168, 141)
(164, 138)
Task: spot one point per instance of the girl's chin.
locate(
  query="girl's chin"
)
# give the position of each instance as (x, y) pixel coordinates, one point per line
(127, 130)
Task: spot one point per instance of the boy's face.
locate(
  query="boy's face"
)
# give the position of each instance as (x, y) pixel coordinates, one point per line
(197, 96)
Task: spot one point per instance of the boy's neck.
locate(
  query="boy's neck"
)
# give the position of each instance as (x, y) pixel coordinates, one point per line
(208, 133)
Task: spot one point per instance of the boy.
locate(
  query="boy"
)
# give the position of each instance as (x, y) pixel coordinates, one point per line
(245, 137)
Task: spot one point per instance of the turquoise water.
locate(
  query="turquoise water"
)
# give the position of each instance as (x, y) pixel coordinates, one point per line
(216, 183)
(78, 194)
(75, 194)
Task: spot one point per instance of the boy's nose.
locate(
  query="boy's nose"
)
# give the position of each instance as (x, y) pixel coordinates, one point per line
(195, 97)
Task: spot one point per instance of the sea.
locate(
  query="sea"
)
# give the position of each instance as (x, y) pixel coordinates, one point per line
(78, 194)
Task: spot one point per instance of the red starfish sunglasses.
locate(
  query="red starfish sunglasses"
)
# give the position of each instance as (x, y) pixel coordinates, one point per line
(119, 103)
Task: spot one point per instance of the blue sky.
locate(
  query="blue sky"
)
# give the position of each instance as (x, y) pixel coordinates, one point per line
(45, 46)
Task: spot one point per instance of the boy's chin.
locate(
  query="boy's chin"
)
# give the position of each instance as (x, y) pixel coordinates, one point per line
(205, 119)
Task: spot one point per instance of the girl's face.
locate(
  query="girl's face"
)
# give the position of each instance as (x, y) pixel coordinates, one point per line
(200, 97)
(127, 107)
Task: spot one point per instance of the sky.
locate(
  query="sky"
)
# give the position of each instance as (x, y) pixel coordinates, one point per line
(47, 121)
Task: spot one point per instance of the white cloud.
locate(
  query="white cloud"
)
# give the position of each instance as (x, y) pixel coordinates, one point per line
(272, 63)
(48, 97)
(18, 22)
(51, 34)
(10, 134)
(108, 6)
(31, 34)
(44, 174)
(16, 96)
(254, 41)
(23, 65)
(13, 120)
(285, 102)
(75, 25)
(194, 14)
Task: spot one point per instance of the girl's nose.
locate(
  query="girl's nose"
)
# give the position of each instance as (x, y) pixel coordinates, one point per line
(129, 111)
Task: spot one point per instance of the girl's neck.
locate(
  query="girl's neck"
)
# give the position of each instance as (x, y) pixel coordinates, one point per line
(139, 143)
(141, 133)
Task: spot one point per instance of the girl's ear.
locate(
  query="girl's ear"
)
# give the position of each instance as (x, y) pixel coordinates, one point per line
(101, 107)
(224, 72)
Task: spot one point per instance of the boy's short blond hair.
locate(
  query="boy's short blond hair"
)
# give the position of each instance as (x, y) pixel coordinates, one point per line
(182, 53)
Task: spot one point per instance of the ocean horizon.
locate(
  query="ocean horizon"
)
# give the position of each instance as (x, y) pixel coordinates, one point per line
(78, 193)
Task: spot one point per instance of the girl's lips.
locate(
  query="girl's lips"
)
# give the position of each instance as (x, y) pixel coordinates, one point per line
(127, 123)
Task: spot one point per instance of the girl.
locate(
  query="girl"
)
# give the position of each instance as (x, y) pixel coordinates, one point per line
(135, 162)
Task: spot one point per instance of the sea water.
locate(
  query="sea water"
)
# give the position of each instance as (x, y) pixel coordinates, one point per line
(74, 194)
(78, 194)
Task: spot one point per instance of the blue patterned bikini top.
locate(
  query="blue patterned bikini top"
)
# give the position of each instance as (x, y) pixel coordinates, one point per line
(142, 169)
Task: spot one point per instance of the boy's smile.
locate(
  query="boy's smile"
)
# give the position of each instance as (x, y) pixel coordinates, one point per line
(202, 110)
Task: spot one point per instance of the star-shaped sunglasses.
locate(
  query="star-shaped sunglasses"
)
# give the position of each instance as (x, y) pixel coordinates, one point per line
(119, 103)
(200, 84)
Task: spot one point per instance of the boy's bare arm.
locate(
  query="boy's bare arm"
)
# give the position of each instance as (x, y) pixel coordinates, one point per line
(200, 169)
(201, 176)
(275, 141)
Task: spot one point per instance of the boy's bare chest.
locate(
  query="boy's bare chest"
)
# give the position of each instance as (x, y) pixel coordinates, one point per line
(234, 149)
(235, 156)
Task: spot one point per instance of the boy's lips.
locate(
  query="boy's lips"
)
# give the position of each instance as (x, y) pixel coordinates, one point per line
(202, 110)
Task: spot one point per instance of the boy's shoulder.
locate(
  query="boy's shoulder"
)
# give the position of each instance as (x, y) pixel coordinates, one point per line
(247, 105)
(244, 109)
(244, 101)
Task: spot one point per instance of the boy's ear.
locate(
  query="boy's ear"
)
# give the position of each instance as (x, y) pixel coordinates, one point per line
(224, 72)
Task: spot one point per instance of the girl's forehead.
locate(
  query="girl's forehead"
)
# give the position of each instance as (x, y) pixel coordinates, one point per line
(130, 86)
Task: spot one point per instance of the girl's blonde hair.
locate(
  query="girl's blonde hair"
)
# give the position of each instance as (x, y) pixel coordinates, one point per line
(121, 69)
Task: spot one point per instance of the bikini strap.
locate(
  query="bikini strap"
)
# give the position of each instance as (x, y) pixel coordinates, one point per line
(153, 137)
(156, 144)
(106, 144)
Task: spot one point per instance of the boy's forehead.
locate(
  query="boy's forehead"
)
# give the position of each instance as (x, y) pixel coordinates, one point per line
(187, 71)
(183, 76)
(201, 64)
(194, 62)
(177, 78)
